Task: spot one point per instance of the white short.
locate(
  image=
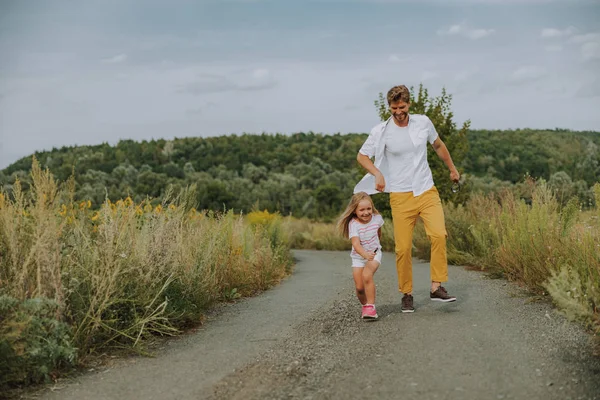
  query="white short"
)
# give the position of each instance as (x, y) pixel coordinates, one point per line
(359, 262)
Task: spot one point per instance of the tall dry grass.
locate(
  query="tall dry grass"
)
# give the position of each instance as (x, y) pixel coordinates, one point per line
(311, 235)
(129, 271)
(551, 249)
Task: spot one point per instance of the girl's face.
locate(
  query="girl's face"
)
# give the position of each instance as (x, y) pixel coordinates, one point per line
(364, 210)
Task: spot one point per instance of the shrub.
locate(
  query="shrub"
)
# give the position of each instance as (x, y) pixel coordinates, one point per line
(33, 343)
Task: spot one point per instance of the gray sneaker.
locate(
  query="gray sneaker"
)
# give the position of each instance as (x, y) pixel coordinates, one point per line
(407, 303)
(441, 295)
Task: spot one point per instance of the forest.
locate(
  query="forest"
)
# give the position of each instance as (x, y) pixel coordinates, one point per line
(305, 174)
(312, 175)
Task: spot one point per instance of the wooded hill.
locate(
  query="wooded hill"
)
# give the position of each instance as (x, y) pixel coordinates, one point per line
(306, 174)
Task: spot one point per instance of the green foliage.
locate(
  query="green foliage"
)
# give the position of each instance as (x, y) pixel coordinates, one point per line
(510, 155)
(33, 343)
(279, 172)
(292, 174)
(117, 275)
(548, 247)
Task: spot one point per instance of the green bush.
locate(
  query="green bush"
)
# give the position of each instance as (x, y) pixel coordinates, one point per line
(33, 344)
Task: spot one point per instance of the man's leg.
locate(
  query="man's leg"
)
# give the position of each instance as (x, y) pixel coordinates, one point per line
(432, 214)
(404, 215)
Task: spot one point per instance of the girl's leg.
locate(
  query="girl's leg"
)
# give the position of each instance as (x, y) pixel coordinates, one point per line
(367, 277)
(357, 274)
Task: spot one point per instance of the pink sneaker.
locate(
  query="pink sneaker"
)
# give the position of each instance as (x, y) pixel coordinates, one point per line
(369, 312)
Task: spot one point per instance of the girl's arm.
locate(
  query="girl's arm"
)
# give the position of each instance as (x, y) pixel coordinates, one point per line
(379, 233)
(359, 249)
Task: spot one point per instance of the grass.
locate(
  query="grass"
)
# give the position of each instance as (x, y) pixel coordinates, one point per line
(88, 280)
(127, 272)
(310, 235)
(551, 249)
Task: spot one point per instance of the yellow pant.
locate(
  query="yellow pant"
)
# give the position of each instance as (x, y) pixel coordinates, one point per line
(405, 210)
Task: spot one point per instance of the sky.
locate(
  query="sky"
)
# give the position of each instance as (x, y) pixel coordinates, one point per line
(94, 71)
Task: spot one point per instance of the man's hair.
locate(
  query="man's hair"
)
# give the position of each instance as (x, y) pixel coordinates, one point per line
(398, 93)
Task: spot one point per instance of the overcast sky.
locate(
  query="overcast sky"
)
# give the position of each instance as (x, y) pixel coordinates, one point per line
(87, 72)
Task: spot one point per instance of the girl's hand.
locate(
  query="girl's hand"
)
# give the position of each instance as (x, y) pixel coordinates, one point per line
(370, 256)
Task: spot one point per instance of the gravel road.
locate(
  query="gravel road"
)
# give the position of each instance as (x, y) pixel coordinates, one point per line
(304, 340)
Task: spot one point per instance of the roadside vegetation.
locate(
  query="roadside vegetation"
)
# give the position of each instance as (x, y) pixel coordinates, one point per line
(107, 247)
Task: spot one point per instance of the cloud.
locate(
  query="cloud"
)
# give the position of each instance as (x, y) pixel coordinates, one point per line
(116, 59)
(554, 48)
(462, 30)
(466, 75)
(590, 45)
(588, 89)
(201, 109)
(208, 83)
(588, 37)
(261, 74)
(590, 51)
(475, 34)
(557, 33)
(429, 75)
(255, 80)
(456, 3)
(527, 73)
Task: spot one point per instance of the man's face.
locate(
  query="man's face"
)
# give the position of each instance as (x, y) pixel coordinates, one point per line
(399, 110)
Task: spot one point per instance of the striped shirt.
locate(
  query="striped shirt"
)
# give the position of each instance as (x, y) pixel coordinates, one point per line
(367, 233)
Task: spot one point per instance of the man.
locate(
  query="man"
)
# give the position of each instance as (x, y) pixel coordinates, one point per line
(399, 146)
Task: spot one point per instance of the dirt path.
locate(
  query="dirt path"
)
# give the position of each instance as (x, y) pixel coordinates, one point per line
(304, 340)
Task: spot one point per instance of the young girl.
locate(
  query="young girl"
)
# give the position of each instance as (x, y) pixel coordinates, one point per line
(361, 223)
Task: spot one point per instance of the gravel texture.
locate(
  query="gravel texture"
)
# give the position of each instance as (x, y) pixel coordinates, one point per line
(304, 340)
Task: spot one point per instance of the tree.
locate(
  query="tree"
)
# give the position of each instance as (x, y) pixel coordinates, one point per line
(214, 195)
(329, 198)
(438, 110)
(562, 186)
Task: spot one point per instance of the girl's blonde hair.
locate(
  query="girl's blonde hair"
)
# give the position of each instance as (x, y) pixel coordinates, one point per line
(350, 212)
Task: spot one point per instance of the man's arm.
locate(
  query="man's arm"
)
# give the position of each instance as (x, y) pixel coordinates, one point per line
(367, 164)
(443, 153)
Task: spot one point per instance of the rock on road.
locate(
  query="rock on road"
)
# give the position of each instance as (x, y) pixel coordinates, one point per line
(304, 340)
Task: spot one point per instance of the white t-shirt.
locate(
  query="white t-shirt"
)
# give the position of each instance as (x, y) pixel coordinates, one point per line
(367, 233)
(421, 131)
(400, 153)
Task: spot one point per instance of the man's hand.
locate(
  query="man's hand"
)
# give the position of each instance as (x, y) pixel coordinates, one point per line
(454, 175)
(443, 153)
(379, 182)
